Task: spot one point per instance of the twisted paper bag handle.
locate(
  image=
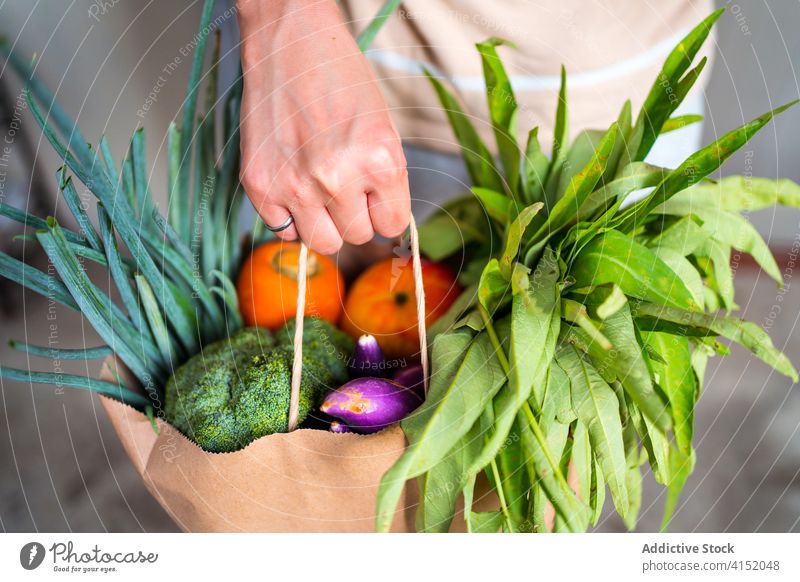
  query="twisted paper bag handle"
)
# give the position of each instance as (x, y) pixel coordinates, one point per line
(297, 362)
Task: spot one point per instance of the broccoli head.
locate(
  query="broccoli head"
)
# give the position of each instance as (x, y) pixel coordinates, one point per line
(238, 389)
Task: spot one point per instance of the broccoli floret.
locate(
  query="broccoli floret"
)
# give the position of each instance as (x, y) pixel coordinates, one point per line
(322, 341)
(237, 390)
(266, 410)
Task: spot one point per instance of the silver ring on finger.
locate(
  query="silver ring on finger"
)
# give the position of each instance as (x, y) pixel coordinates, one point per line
(286, 224)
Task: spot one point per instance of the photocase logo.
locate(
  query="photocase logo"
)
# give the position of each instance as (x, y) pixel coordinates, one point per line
(31, 555)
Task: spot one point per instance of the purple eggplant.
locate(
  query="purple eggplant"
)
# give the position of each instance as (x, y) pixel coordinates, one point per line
(367, 358)
(413, 378)
(368, 405)
(338, 427)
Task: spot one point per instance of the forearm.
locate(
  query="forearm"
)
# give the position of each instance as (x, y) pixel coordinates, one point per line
(305, 37)
(280, 24)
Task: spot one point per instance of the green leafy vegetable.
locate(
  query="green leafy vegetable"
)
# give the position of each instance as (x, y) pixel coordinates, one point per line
(595, 320)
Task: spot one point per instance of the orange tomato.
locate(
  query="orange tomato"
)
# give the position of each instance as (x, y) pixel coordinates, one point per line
(267, 286)
(382, 302)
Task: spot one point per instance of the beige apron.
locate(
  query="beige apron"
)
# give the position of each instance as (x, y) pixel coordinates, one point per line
(612, 51)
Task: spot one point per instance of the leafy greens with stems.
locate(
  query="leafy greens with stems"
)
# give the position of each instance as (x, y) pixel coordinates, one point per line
(578, 349)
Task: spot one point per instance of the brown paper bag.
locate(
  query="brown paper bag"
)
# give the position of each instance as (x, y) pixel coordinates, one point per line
(303, 481)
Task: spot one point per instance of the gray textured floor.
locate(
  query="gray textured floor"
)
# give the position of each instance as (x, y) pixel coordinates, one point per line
(61, 467)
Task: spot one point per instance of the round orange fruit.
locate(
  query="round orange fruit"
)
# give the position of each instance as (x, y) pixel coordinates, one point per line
(267, 286)
(381, 302)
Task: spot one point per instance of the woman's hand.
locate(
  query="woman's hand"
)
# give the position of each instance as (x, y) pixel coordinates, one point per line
(316, 137)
